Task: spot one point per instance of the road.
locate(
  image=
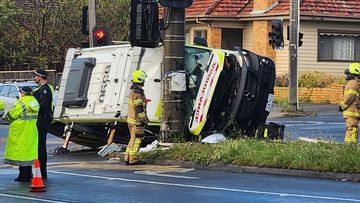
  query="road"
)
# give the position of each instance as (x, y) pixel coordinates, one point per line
(87, 178)
(326, 127)
(82, 176)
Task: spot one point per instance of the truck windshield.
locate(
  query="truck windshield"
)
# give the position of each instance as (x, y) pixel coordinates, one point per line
(195, 65)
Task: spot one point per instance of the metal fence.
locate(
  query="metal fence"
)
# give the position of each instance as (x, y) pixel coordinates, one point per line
(28, 75)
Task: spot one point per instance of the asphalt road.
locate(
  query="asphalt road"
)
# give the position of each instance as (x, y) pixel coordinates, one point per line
(99, 180)
(322, 122)
(83, 176)
(324, 127)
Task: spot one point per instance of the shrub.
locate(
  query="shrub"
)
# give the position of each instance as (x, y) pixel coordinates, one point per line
(311, 80)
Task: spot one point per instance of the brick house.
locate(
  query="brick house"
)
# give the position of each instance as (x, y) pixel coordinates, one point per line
(331, 30)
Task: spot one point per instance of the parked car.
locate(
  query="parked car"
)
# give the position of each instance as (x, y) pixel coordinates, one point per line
(9, 92)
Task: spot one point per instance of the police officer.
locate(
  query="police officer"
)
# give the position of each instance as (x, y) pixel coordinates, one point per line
(351, 103)
(22, 141)
(137, 118)
(43, 94)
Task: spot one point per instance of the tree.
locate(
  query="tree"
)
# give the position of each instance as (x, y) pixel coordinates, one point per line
(114, 14)
(40, 31)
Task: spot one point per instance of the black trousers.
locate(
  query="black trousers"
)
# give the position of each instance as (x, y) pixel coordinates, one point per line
(42, 124)
(25, 172)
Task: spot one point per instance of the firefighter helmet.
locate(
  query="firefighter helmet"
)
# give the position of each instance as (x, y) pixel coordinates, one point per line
(354, 68)
(138, 76)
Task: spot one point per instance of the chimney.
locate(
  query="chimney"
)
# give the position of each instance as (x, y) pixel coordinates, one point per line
(264, 5)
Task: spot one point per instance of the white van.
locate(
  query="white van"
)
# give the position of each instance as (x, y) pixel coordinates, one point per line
(9, 92)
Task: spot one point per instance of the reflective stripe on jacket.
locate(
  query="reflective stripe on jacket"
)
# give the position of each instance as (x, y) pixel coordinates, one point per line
(137, 106)
(22, 141)
(350, 101)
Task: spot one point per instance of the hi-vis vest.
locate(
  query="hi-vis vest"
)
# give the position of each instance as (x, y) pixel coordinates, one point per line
(137, 106)
(351, 101)
(22, 141)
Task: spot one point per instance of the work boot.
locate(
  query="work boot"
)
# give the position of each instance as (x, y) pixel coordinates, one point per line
(137, 163)
(126, 158)
(23, 179)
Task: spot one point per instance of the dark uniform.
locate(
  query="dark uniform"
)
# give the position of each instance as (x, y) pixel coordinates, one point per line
(43, 95)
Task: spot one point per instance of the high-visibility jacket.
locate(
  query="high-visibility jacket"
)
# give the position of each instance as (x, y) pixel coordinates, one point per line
(22, 141)
(137, 106)
(2, 107)
(351, 102)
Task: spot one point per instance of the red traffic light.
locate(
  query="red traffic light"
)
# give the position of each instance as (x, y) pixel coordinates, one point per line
(101, 36)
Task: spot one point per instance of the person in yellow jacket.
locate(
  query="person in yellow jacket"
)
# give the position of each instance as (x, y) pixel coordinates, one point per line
(2, 107)
(137, 118)
(22, 141)
(351, 103)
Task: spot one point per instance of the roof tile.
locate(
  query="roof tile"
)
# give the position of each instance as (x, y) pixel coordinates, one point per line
(232, 8)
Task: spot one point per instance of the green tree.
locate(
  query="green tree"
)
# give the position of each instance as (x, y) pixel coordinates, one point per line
(41, 31)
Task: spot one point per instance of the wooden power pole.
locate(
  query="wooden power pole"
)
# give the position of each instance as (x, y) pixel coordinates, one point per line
(293, 53)
(173, 62)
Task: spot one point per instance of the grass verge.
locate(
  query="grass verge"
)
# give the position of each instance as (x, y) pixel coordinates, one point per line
(328, 157)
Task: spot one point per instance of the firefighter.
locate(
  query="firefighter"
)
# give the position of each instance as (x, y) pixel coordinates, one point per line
(22, 141)
(137, 118)
(351, 103)
(43, 94)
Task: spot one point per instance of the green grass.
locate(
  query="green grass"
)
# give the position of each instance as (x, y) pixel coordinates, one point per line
(329, 157)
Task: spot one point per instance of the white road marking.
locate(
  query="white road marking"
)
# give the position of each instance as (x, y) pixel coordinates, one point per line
(31, 198)
(210, 187)
(153, 173)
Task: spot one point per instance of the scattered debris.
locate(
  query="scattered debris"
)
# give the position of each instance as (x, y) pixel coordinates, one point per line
(214, 138)
(306, 139)
(150, 147)
(107, 149)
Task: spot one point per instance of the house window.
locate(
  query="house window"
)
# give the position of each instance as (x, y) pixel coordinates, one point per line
(231, 38)
(333, 46)
(200, 33)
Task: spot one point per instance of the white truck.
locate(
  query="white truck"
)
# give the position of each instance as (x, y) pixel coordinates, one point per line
(225, 90)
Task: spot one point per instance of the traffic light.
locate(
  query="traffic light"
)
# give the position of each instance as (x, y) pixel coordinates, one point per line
(101, 36)
(144, 24)
(300, 38)
(176, 3)
(276, 38)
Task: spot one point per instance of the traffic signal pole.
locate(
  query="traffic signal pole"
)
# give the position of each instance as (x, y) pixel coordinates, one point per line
(293, 54)
(92, 21)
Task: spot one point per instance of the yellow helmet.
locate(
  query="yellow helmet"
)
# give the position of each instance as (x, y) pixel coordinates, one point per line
(354, 68)
(138, 76)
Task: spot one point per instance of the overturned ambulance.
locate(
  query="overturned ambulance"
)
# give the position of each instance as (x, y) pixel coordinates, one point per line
(226, 90)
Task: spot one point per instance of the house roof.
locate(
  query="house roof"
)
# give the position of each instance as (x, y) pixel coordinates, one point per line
(238, 8)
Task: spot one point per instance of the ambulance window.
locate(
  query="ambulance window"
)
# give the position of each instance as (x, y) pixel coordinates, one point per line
(195, 64)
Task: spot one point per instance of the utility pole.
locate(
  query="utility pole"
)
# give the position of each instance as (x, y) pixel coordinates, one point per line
(293, 53)
(92, 20)
(173, 62)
